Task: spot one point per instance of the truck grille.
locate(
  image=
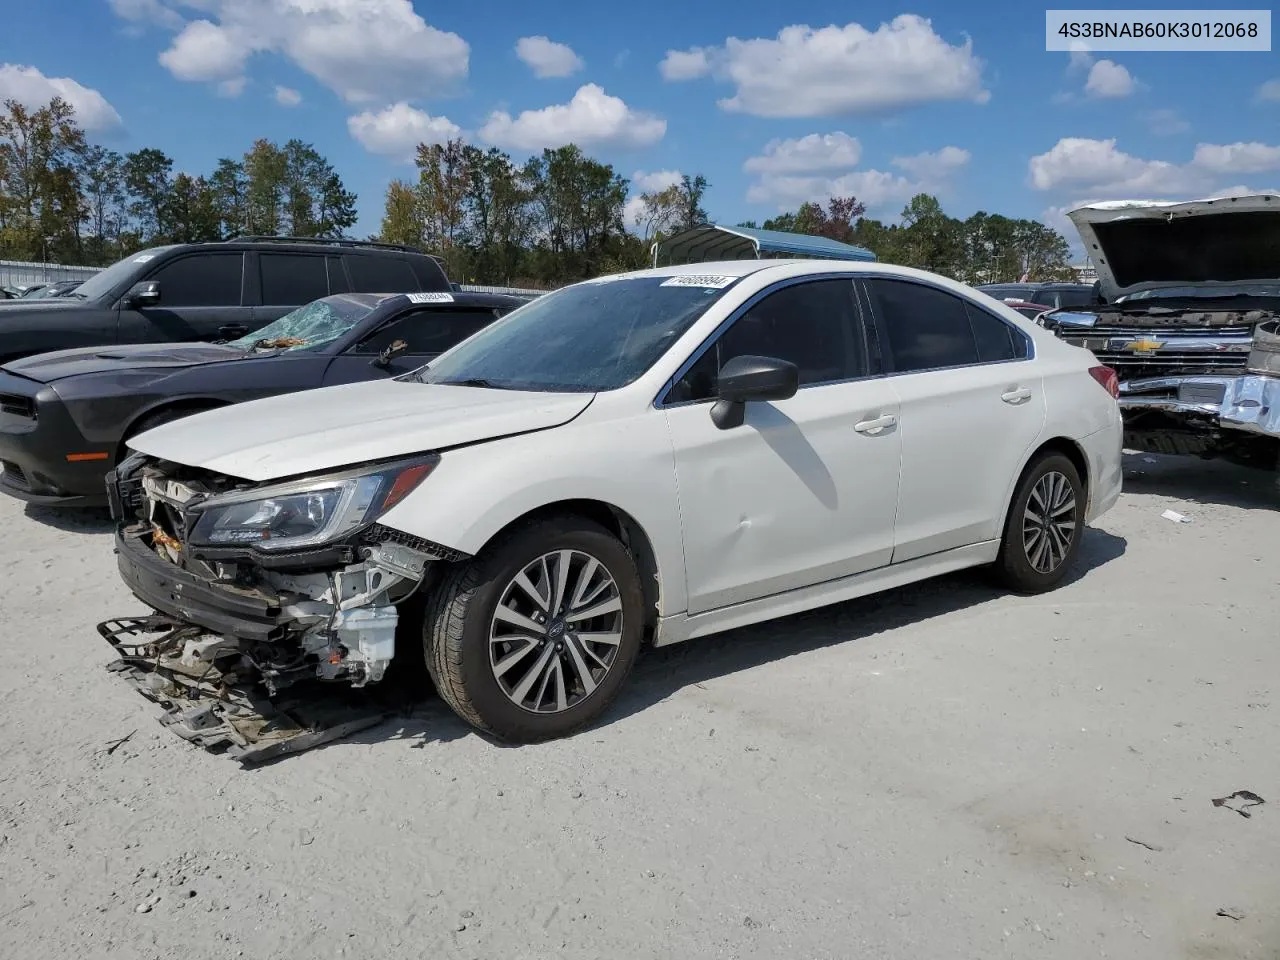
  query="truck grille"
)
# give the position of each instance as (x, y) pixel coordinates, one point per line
(18, 406)
(1175, 351)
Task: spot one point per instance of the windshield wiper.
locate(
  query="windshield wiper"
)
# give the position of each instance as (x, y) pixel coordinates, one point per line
(469, 382)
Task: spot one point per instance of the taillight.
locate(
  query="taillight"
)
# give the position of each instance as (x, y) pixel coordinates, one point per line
(1108, 379)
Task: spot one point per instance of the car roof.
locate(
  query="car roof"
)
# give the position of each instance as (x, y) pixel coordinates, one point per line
(431, 299)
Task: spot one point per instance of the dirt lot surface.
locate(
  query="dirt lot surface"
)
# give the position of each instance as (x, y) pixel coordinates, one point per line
(943, 771)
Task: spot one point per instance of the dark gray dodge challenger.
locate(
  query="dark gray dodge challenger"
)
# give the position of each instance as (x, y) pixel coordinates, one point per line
(65, 416)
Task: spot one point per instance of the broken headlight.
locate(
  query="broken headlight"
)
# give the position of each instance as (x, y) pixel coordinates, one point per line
(305, 513)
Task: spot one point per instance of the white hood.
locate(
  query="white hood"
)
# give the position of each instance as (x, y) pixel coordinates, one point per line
(1144, 244)
(335, 427)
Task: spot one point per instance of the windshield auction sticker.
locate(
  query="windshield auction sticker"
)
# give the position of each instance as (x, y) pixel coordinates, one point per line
(707, 280)
(1087, 31)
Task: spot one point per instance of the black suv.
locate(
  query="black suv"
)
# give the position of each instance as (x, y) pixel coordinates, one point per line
(210, 291)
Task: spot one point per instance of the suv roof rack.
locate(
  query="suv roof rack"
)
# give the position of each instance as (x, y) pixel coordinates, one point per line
(340, 242)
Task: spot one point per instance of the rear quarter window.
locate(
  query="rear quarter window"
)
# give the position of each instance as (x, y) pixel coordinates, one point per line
(371, 274)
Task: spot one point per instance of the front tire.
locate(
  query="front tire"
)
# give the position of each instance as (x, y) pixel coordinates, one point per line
(1043, 529)
(533, 639)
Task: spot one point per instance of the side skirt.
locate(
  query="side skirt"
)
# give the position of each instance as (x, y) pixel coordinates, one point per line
(683, 627)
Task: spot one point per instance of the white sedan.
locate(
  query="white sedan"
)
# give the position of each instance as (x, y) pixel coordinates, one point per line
(641, 458)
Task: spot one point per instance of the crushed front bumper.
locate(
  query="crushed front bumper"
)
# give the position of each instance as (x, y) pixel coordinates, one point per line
(1250, 402)
(218, 709)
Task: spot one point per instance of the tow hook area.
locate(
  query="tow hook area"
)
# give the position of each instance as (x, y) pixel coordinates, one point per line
(206, 687)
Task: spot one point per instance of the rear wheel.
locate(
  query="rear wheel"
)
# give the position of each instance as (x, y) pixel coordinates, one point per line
(534, 638)
(1042, 532)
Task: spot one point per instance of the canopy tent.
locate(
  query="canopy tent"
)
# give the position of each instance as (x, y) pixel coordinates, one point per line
(713, 241)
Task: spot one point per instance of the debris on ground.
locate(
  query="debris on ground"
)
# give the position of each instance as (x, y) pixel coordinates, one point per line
(1250, 799)
(1142, 843)
(1230, 913)
(115, 745)
(1175, 516)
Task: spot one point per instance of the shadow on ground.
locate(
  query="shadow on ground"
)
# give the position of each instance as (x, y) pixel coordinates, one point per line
(1201, 481)
(90, 520)
(660, 673)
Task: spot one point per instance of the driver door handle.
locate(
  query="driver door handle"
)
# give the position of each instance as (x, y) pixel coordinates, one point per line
(876, 425)
(1016, 396)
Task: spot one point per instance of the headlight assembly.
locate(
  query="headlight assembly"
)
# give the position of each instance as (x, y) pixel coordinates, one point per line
(305, 513)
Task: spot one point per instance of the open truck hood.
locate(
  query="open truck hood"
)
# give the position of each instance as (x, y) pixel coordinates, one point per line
(334, 427)
(1148, 244)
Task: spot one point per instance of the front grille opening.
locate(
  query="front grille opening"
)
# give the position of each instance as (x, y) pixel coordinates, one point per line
(14, 475)
(18, 406)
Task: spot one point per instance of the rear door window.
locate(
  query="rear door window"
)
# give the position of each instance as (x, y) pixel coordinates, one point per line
(202, 280)
(380, 275)
(927, 328)
(292, 279)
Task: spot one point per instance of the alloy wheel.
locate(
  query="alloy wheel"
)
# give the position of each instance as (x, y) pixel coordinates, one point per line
(1049, 522)
(556, 631)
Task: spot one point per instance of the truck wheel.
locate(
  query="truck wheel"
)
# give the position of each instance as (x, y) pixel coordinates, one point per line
(1043, 529)
(533, 638)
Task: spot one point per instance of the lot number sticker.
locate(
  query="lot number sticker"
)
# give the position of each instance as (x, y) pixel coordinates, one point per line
(431, 298)
(708, 280)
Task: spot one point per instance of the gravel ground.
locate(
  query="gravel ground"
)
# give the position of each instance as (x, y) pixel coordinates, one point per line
(939, 772)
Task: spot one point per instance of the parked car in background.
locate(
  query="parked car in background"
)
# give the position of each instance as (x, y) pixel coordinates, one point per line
(64, 416)
(210, 291)
(1049, 295)
(59, 288)
(647, 457)
(1024, 307)
(31, 291)
(1191, 324)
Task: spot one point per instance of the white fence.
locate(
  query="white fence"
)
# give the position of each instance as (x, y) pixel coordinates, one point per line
(17, 273)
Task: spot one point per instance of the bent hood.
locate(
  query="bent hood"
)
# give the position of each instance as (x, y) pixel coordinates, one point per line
(1144, 244)
(340, 426)
(48, 367)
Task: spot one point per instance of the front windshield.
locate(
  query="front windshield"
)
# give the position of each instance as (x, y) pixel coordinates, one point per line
(314, 325)
(106, 280)
(593, 336)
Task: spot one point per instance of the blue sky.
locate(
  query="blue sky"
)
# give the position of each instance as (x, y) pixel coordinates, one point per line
(876, 99)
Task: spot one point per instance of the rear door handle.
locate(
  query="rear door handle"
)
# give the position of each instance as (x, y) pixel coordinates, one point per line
(876, 425)
(1016, 396)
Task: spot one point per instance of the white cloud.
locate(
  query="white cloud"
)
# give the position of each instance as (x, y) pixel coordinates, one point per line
(1270, 91)
(686, 64)
(1236, 158)
(655, 181)
(833, 70)
(148, 11)
(397, 130)
(1109, 80)
(1165, 122)
(205, 51)
(364, 50)
(632, 212)
(591, 117)
(1097, 165)
(547, 58)
(933, 167)
(288, 97)
(232, 88)
(1241, 191)
(34, 90)
(816, 153)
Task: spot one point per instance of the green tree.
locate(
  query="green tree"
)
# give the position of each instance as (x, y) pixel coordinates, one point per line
(147, 181)
(316, 202)
(192, 211)
(402, 218)
(230, 185)
(443, 179)
(496, 204)
(266, 169)
(40, 152)
(102, 184)
(690, 191)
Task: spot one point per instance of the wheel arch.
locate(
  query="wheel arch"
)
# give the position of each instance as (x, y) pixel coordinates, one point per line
(1058, 444)
(618, 522)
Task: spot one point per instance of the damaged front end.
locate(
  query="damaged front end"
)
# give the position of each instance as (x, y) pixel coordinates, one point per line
(258, 588)
(1203, 382)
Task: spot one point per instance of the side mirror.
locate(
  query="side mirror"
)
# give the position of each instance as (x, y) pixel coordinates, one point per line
(144, 294)
(392, 350)
(748, 378)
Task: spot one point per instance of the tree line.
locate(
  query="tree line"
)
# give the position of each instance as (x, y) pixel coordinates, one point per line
(555, 218)
(66, 200)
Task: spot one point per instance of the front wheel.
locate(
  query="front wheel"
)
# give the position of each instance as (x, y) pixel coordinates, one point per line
(1042, 532)
(533, 638)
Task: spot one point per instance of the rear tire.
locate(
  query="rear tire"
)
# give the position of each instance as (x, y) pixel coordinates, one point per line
(1043, 529)
(507, 644)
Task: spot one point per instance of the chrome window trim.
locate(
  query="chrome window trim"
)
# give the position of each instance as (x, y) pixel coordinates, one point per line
(660, 400)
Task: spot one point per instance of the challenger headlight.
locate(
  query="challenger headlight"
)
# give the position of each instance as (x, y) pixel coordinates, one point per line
(305, 513)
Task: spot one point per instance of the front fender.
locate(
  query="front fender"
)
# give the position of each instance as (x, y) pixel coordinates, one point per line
(476, 492)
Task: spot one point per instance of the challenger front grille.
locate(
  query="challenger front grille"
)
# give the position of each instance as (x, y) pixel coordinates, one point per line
(18, 406)
(14, 475)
